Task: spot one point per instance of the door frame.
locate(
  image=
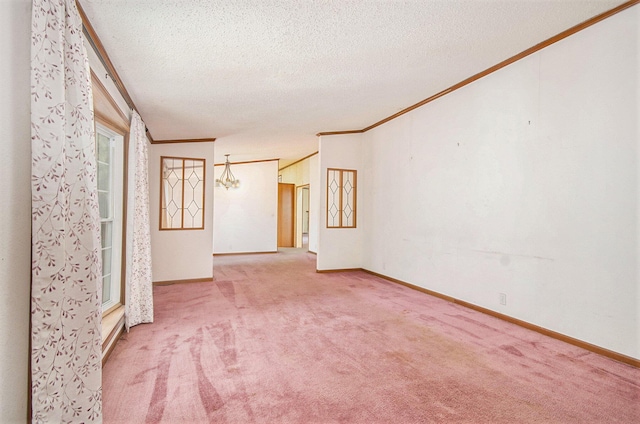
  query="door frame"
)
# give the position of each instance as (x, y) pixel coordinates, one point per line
(300, 213)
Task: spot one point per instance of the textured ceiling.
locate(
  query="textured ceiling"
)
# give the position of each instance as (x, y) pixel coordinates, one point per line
(264, 76)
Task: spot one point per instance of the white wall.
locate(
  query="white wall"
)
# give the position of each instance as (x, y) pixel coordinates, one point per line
(340, 248)
(181, 254)
(525, 183)
(15, 197)
(246, 218)
(314, 202)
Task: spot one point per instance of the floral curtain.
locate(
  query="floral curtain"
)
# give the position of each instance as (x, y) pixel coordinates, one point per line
(66, 314)
(139, 287)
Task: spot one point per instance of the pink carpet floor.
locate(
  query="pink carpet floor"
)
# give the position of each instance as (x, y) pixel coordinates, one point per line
(272, 341)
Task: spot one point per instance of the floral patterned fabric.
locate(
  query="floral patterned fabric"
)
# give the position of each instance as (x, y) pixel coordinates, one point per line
(139, 283)
(66, 266)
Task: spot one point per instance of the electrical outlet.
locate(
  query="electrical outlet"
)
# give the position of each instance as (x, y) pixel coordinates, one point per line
(503, 299)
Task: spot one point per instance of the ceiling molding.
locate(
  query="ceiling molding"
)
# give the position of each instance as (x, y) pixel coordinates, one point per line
(552, 40)
(298, 161)
(320, 134)
(245, 162)
(184, 140)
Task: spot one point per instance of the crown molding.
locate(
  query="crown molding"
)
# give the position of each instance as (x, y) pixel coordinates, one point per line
(245, 162)
(320, 134)
(552, 40)
(185, 140)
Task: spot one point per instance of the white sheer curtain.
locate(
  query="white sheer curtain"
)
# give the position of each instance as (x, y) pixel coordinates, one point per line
(66, 369)
(139, 289)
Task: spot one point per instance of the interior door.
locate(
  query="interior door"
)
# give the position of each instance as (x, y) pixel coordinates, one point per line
(286, 208)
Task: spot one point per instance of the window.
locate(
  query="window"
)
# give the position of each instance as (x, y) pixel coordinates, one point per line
(181, 193)
(110, 151)
(341, 198)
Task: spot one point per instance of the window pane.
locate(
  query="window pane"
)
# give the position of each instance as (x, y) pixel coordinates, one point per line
(172, 191)
(104, 150)
(333, 198)
(106, 272)
(104, 204)
(106, 261)
(104, 176)
(193, 186)
(348, 199)
(105, 233)
(106, 288)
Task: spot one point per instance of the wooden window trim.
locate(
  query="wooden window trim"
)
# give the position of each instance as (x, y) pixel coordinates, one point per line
(204, 177)
(341, 172)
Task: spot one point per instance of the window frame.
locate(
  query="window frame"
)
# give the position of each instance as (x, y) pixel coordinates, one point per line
(117, 182)
(116, 214)
(109, 114)
(341, 204)
(182, 194)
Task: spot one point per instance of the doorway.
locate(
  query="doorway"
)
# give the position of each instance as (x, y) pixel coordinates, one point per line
(302, 216)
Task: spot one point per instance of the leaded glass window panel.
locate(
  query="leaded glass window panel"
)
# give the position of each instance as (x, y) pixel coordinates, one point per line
(341, 198)
(182, 193)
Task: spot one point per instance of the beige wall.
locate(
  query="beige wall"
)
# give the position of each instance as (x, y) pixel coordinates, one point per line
(297, 173)
(15, 198)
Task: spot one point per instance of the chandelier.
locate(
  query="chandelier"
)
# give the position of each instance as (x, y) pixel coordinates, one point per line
(227, 180)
